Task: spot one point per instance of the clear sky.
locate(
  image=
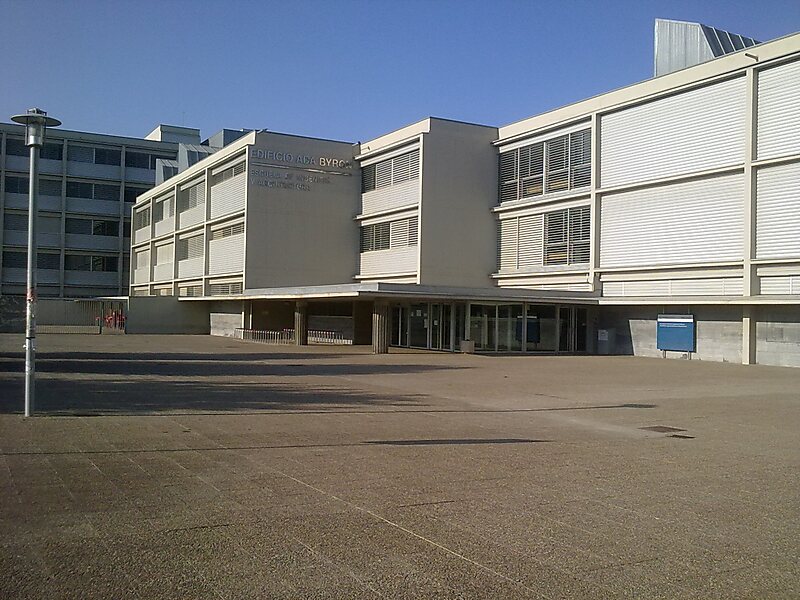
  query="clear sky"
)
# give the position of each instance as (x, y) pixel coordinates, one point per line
(341, 69)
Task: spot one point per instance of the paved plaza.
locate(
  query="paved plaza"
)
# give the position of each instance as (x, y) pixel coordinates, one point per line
(202, 467)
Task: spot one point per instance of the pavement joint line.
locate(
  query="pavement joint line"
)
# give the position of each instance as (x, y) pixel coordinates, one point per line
(410, 532)
(320, 556)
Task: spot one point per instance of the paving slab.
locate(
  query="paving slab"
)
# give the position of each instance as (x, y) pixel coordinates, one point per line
(206, 467)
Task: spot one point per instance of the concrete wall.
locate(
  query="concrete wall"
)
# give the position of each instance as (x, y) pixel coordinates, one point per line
(225, 317)
(459, 187)
(778, 336)
(718, 328)
(12, 314)
(165, 314)
(303, 236)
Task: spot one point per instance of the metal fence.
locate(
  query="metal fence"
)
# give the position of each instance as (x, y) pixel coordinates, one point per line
(57, 315)
(286, 336)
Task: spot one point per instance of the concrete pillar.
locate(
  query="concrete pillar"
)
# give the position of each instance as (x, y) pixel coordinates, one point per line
(301, 323)
(748, 335)
(380, 327)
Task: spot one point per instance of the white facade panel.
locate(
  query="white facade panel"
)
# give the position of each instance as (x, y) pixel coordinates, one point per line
(162, 272)
(226, 255)
(192, 216)
(387, 262)
(778, 212)
(779, 111)
(390, 197)
(689, 132)
(141, 235)
(164, 227)
(780, 284)
(190, 267)
(229, 196)
(718, 286)
(684, 223)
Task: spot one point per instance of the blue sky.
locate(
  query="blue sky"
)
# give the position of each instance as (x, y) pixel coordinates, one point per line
(341, 69)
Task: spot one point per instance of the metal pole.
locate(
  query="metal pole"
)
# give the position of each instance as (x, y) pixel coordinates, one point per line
(30, 314)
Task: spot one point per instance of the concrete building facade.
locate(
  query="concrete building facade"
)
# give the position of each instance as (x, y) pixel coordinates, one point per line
(570, 231)
(88, 184)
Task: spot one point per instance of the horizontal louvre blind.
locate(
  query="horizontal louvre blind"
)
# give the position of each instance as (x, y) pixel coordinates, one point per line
(227, 231)
(555, 238)
(383, 174)
(691, 131)
(164, 209)
(225, 288)
(192, 197)
(555, 165)
(682, 223)
(227, 173)
(398, 233)
(413, 231)
(507, 244)
(779, 111)
(367, 178)
(391, 171)
(141, 259)
(164, 254)
(778, 212)
(191, 289)
(141, 219)
(579, 231)
(190, 247)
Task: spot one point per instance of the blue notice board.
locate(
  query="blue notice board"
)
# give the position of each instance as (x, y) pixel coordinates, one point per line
(676, 332)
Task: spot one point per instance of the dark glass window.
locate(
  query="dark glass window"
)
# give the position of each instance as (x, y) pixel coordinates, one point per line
(102, 156)
(79, 226)
(79, 189)
(52, 151)
(78, 262)
(16, 147)
(16, 185)
(107, 228)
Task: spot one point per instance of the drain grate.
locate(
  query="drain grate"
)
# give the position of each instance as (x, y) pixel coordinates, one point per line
(662, 429)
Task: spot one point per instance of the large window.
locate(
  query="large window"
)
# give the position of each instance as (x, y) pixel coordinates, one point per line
(88, 262)
(141, 160)
(566, 236)
(15, 259)
(390, 234)
(555, 165)
(228, 173)
(390, 171)
(98, 156)
(131, 192)
(96, 191)
(92, 227)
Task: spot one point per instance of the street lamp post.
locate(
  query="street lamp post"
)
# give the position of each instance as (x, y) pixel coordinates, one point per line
(36, 122)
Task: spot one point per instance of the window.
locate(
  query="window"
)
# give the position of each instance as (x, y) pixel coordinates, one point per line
(16, 147)
(555, 165)
(132, 192)
(49, 261)
(105, 228)
(15, 222)
(191, 197)
(391, 234)
(78, 226)
(16, 185)
(126, 229)
(390, 171)
(141, 219)
(138, 160)
(224, 288)
(77, 262)
(96, 191)
(566, 236)
(88, 262)
(50, 187)
(191, 247)
(80, 154)
(52, 151)
(103, 156)
(192, 290)
(163, 209)
(228, 231)
(228, 173)
(15, 260)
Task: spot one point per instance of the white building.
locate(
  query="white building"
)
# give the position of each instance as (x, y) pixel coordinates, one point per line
(570, 231)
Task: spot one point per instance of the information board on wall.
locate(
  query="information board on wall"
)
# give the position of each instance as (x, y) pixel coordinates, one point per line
(676, 333)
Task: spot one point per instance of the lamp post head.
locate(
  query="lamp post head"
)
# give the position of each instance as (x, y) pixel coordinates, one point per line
(35, 121)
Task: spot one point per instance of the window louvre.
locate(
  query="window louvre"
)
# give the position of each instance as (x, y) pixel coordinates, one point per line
(390, 234)
(391, 171)
(164, 254)
(227, 231)
(228, 173)
(163, 209)
(141, 219)
(191, 290)
(192, 197)
(191, 247)
(554, 165)
(225, 288)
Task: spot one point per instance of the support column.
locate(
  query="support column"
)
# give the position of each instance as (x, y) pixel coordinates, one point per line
(748, 335)
(380, 327)
(301, 323)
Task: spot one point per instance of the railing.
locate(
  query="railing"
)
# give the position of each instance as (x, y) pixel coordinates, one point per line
(316, 336)
(266, 337)
(286, 336)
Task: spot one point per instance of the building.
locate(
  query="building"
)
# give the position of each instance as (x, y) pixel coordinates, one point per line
(570, 231)
(88, 184)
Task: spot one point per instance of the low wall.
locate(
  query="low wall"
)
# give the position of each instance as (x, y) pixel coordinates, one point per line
(225, 317)
(165, 314)
(778, 336)
(12, 314)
